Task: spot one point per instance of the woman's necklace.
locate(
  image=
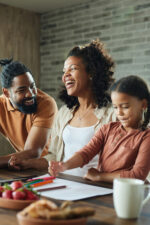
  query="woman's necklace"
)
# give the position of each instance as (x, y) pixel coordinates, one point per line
(80, 117)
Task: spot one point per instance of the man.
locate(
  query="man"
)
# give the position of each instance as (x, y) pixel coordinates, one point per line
(26, 114)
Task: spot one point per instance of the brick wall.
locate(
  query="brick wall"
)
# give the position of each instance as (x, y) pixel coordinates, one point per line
(123, 25)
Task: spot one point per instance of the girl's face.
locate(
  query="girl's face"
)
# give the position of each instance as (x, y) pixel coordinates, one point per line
(128, 109)
(75, 77)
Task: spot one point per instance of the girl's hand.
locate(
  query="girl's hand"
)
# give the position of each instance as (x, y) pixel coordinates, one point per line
(55, 167)
(93, 174)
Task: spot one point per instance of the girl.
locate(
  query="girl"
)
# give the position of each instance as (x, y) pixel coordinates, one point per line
(123, 146)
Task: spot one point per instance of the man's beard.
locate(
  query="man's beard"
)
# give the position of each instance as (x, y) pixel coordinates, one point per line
(27, 109)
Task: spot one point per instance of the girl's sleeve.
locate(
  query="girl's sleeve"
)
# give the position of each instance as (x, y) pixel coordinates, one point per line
(141, 166)
(93, 147)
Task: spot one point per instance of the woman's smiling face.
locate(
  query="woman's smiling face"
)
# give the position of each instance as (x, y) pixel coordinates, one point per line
(75, 77)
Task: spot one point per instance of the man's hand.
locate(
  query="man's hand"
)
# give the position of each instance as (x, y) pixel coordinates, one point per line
(55, 167)
(14, 162)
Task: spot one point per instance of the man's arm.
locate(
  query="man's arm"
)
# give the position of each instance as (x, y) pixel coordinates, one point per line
(35, 163)
(36, 140)
(39, 133)
(4, 160)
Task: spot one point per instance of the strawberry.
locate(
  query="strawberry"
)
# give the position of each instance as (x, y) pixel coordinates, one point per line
(1, 191)
(31, 196)
(17, 191)
(19, 195)
(7, 194)
(16, 185)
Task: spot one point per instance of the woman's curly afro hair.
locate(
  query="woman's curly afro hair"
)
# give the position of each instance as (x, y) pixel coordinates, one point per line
(100, 66)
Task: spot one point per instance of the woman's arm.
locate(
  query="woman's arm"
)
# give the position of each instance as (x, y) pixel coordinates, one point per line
(56, 147)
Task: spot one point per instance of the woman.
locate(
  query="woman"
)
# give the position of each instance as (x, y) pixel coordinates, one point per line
(87, 75)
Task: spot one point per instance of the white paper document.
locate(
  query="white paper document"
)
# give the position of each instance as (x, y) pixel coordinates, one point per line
(73, 191)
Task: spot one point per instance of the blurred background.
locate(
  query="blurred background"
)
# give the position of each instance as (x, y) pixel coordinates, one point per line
(40, 33)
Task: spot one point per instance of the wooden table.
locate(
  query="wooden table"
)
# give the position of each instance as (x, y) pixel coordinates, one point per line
(105, 213)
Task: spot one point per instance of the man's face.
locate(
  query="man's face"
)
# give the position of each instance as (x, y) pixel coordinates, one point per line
(22, 93)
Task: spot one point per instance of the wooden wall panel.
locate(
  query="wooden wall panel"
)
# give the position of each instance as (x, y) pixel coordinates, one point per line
(19, 38)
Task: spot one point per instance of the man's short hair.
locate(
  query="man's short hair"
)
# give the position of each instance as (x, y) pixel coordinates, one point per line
(10, 70)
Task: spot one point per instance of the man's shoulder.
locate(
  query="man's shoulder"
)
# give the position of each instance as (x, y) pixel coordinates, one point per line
(46, 104)
(43, 98)
(42, 94)
(2, 99)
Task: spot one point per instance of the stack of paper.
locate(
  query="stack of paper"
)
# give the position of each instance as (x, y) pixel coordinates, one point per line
(73, 191)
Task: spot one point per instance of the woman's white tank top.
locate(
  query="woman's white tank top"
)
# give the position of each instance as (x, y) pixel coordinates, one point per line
(74, 139)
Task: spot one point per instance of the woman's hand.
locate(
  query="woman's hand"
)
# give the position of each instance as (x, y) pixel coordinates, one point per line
(55, 167)
(93, 174)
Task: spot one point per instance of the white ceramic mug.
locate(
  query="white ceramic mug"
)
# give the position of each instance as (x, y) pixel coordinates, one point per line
(128, 197)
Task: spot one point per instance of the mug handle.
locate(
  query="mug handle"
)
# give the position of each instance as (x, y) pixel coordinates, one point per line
(148, 195)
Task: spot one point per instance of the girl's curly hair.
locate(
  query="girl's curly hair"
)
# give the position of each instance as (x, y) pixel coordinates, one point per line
(100, 66)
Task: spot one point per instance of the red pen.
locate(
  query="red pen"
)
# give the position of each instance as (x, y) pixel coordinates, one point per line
(43, 178)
